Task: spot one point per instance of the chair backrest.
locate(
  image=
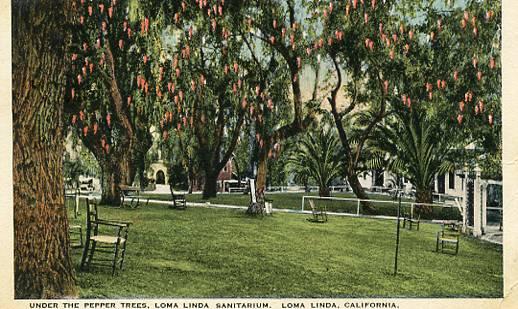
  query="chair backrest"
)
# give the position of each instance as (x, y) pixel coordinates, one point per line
(253, 197)
(311, 204)
(450, 234)
(91, 212)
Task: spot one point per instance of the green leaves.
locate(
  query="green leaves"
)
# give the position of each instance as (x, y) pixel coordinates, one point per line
(413, 146)
(317, 156)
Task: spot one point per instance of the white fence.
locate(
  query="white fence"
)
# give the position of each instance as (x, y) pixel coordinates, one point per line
(455, 205)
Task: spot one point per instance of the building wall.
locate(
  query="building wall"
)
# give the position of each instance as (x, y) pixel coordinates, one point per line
(367, 181)
(458, 185)
(226, 172)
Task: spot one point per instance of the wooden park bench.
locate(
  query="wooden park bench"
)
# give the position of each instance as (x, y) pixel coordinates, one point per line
(179, 201)
(130, 196)
(319, 214)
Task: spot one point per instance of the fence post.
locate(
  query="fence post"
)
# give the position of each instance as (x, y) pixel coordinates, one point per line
(358, 208)
(76, 203)
(303, 202)
(412, 210)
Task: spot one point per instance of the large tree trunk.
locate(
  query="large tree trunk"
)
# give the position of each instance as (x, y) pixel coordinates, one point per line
(116, 171)
(42, 263)
(143, 144)
(262, 169)
(423, 195)
(359, 191)
(352, 177)
(191, 177)
(351, 158)
(260, 182)
(118, 167)
(141, 173)
(127, 170)
(110, 191)
(356, 186)
(323, 191)
(210, 186)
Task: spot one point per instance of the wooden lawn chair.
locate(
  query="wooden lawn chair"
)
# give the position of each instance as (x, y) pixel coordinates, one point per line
(75, 230)
(319, 214)
(108, 238)
(408, 218)
(448, 239)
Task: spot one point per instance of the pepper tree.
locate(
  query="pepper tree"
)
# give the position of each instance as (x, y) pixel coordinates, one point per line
(449, 87)
(393, 56)
(206, 84)
(111, 90)
(43, 267)
(278, 42)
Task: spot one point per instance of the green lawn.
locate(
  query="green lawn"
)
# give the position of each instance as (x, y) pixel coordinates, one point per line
(293, 201)
(208, 252)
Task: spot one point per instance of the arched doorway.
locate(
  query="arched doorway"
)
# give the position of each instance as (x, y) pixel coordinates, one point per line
(160, 178)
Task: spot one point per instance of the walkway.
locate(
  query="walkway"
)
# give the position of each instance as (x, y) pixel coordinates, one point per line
(493, 234)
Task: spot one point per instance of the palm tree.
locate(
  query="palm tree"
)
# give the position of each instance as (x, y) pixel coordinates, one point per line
(317, 157)
(416, 147)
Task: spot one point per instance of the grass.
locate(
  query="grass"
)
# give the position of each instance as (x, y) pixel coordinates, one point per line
(293, 201)
(208, 252)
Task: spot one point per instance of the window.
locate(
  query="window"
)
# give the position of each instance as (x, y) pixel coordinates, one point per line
(451, 180)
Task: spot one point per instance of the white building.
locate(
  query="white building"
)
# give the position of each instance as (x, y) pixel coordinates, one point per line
(450, 184)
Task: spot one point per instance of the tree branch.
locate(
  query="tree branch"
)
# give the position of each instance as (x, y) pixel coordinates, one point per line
(338, 116)
(233, 141)
(379, 116)
(116, 95)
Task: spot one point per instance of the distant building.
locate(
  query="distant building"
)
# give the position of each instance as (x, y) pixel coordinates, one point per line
(451, 184)
(157, 171)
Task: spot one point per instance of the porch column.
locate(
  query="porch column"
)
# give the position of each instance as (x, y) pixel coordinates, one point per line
(465, 200)
(477, 204)
(484, 206)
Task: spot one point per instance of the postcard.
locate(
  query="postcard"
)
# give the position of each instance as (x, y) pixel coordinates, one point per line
(294, 154)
